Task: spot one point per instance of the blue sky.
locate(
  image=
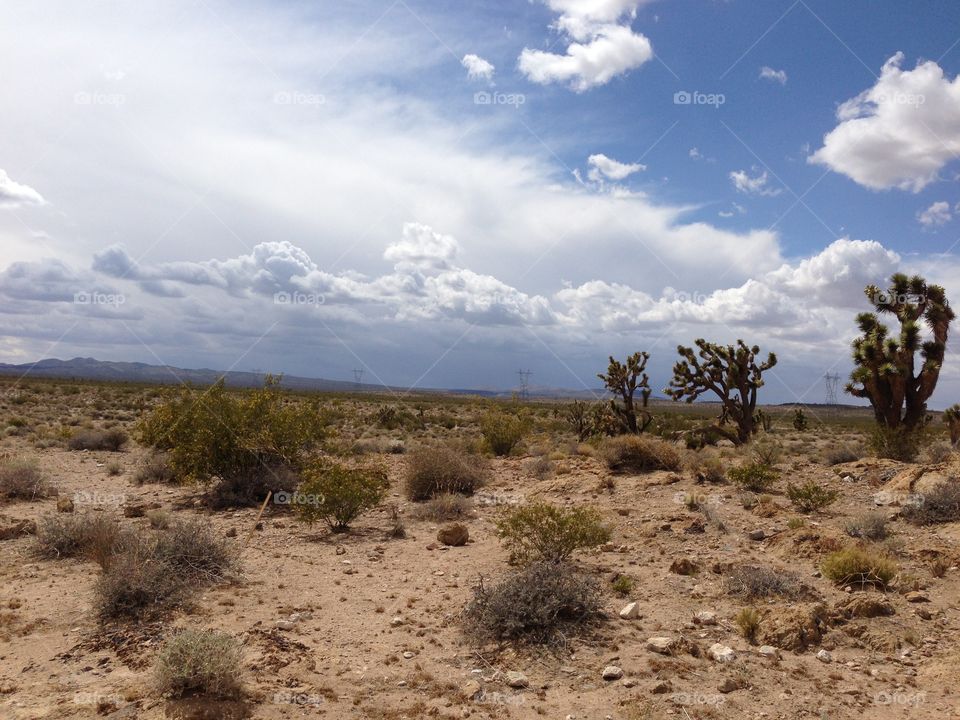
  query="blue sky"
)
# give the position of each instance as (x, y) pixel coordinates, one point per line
(314, 187)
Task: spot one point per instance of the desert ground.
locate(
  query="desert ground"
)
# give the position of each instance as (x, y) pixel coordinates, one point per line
(370, 623)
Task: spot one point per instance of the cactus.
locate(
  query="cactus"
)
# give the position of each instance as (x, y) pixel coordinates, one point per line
(732, 373)
(951, 416)
(577, 416)
(885, 365)
(800, 420)
(624, 380)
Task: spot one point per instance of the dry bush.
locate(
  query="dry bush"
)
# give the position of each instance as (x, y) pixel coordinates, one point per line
(21, 480)
(88, 535)
(936, 453)
(444, 507)
(435, 470)
(111, 440)
(632, 453)
(748, 623)
(156, 470)
(199, 662)
(541, 467)
(766, 452)
(337, 494)
(537, 604)
(940, 505)
(753, 477)
(196, 551)
(839, 454)
(706, 468)
(810, 496)
(859, 566)
(759, 581)
(136, 584)
(869, 526)
(543, 532)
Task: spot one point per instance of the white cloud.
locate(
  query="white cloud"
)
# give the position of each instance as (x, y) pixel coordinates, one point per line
(936, 215)
(695, 153)
(602, 167)
(753, 185)
(477, 67)
(898, 133)
(768, 73)
(421, 247)
(14, 194)
(601, 48)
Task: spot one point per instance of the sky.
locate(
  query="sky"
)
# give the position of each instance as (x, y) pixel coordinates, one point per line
(441, 194)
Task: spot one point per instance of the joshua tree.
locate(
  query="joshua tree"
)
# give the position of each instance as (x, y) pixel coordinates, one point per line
(951, 416)
(624, 380)
(799, 420)
(732, 373)
(885, 365)
(577, 416)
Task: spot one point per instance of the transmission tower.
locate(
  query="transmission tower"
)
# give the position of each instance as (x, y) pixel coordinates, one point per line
(357, 378)
(524, 383)
(832, 381)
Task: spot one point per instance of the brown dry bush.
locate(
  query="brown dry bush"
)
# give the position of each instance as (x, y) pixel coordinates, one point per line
(111, 440)
(157, 470)
(632, 453)
(444, 507)
(759, 581)
(939, 505)
(88, 535)
(439, 469)
(21, 480)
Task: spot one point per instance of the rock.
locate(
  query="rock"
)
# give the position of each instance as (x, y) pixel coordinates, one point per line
(517, 679)
(628, 682)
(721, 653)
(341, 550)
(409, 654)
(454, 535)
(684, 566)
(696, 527)
(794, 628)
(284, 625)
(232, 532)
(397, 622)
(134, 510)
(64, 504)
(728, 686)
(769, 651)
(612, 672)
(470, 690)
(662, 688)
(630, 611)
(923, 613)
(10, 528)
(757, 535)
(868, 605)
(705, 617)
(662, 645)
(608, 547)
(824, 656)
(258, 526)
(916, 597)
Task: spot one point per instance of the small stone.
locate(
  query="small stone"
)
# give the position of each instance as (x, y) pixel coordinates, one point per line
(134, 510)
(608, 547)
(662, 688)
(612, 672)
(917, 597)
(705, 617)
(824, 656)
(923, 613)
(258, 526)
(409, 654)
(454, 535)
(64, 505)
(662, 645)
(283, 625)
(769, 651)
(341, 550)
(232, 532)
(728, 686)
(683, 566)
(628, 682)
(470, 690)
(757, 535)
(721, 653)
(517, 679)
(397, 622)
(630, 611)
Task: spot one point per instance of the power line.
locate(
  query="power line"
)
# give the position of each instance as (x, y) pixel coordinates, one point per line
(357, 378)
(524, 383)
(832, 381)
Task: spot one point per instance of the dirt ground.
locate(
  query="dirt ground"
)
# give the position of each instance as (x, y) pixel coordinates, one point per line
(361, 625)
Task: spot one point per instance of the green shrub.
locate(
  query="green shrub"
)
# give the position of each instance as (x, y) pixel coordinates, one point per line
(753, 476)
(632, 453)
(111, 440)
(199, 662)
(539, 603)
(766, 452)
(337, 494)
(810, 496)
(438, 470)
(502, 432)
(859, 566)
(22, 481)
(540, 531)
(748, 622)
(896, 444)
(622, 585)
(800, 420)
(940, 505)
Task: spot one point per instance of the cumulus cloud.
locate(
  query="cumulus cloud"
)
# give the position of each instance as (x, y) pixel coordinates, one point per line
(768, 73)
(601, 48)
(14, 194)
(753, 185)
(602, 167)
(422, 247)
(477, 67)
(936, 215)
(898, 133)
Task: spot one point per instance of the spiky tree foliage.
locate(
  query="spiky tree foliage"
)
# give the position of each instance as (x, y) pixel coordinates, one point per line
(885, 372)
(951, 416)
(577, 416)
(732, 373)
(623, 380)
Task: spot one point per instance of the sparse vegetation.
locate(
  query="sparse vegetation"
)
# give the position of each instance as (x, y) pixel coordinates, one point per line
(156, 470)
(623, 380)
(752, 582)
(754, 477)
(859, 566)
(543, 532)
(444, 508)
(112, 440)
(85, 535)
(748, 623)
(21, 480)
(199, 662)
(631, 453)
(437, 470)
(503, 431)
(939, 505)
(869, 526)
(810, 496)
(338, 494)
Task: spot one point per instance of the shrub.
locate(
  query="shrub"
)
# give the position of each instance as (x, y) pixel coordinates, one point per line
(199, 661)
(748, 622)
(936, 453)
(445, 507)
(337, 494)
(753, 476)
(195, 550)
(438, 470)
(502, 431)
(88, 535)
(870, 526)
(244, 439)
(895, 443)
(156, 470)
(766, 452)
(800, 420)
(708, 469)
(630, 453)
(540, 531)
(22, 481)
(841, 454)
(536, 604)
(859, 566)
(136, 584)
(159, 519)
(622, 585)
(111, 440)
(940, 505)
(540, 467)
(810, 496)
(758, 581)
